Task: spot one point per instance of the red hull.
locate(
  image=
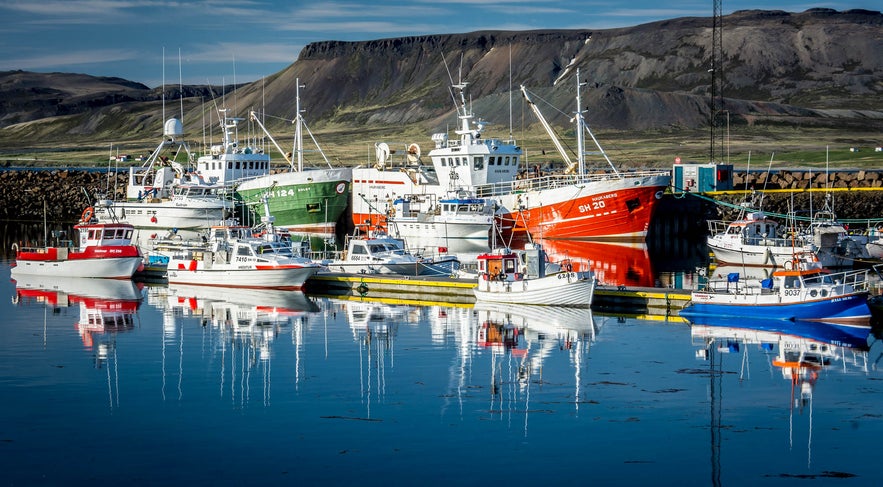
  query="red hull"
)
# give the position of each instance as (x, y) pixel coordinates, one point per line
(622, 215)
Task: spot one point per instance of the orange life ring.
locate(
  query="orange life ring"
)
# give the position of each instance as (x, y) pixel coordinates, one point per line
(87, 214)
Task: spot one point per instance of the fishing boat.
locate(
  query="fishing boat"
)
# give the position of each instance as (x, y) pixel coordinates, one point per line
(105, 250)
(378, 253)
(508, 276)
(458, 221)
(833, 243)
(754, 240)
(234, 257)
(165, 193)
(577, 204)
(799, 291)
(303, 200)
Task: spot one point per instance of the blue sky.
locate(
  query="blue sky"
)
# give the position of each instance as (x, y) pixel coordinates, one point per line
(245, 40)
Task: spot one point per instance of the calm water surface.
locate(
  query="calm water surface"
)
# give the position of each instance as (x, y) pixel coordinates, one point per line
(190, 386)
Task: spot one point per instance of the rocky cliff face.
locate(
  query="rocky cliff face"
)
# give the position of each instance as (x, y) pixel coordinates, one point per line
(816, 67)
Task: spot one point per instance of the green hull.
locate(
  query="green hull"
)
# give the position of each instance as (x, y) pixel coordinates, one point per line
(302, 202)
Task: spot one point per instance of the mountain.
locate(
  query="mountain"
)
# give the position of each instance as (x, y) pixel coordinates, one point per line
(820, 67)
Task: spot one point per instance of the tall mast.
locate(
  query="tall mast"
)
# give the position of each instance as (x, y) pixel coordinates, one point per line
(298, 130)
(580, 141)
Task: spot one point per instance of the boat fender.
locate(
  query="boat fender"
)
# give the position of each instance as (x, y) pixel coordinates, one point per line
(87, 214)
(568, 267)
(153, 219)
(192, 265)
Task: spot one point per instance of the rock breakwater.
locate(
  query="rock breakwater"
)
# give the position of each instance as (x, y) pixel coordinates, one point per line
(857, 194)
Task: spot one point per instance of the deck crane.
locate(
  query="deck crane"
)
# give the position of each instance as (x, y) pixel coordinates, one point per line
(581, 124)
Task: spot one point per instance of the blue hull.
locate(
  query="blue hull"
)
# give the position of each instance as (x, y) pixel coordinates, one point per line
(854, 307)
(855, 336)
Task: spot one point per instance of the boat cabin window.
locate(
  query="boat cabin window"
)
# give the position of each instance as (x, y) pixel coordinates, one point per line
(792, 282)
(377, 248)
(734, 230)
(244, 250)
(478, 162)
(360, 250)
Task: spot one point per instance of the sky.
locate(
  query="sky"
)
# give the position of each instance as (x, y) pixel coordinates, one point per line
(226, 41)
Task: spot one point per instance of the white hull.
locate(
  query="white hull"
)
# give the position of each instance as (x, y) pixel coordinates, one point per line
(230, 276)
(106, 267)
(456, 237)
(561, 289)
(753, 255)
(399, 269)
(191, 214)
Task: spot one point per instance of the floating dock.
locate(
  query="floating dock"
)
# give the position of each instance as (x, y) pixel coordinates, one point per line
(609, 299)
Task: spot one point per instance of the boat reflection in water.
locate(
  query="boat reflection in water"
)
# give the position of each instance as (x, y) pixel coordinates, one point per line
(242, 324)
(800, 350)
(106, 305)
(375, 326)
(614, 264)
(521, 338)
(106, 308)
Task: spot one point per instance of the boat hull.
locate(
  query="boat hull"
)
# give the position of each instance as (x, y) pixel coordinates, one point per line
(561, 289)
(109, 262)
(301, 202)
(191, 214)
(609, 208)
(597, 207)
(455, 237)
(191, 272)
(852, 307)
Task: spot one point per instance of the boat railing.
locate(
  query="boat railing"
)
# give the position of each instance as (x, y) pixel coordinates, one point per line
(845, 282)
(554, 181)
(716, 227)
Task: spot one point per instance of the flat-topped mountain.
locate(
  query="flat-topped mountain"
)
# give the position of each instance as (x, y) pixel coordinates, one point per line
(820, 67)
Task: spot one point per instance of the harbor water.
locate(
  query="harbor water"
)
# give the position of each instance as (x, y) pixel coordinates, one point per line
(170, 385)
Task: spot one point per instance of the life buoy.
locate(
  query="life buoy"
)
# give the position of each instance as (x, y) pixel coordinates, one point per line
(87, 214)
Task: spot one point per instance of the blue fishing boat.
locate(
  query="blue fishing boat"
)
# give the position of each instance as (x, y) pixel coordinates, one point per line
(802, 290)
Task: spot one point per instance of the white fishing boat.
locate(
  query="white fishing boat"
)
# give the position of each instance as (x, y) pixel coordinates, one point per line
(521, 277)
(165, 193)
(105, 250)
(800, 291)
(576, 204)
(754, 240)
(377, 253)
(234, 257)
(458, 221)
(832, 242)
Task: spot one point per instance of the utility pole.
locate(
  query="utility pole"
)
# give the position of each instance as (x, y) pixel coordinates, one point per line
(717, 81)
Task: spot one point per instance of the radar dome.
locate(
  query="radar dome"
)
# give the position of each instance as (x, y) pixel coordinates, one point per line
(173, 128)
